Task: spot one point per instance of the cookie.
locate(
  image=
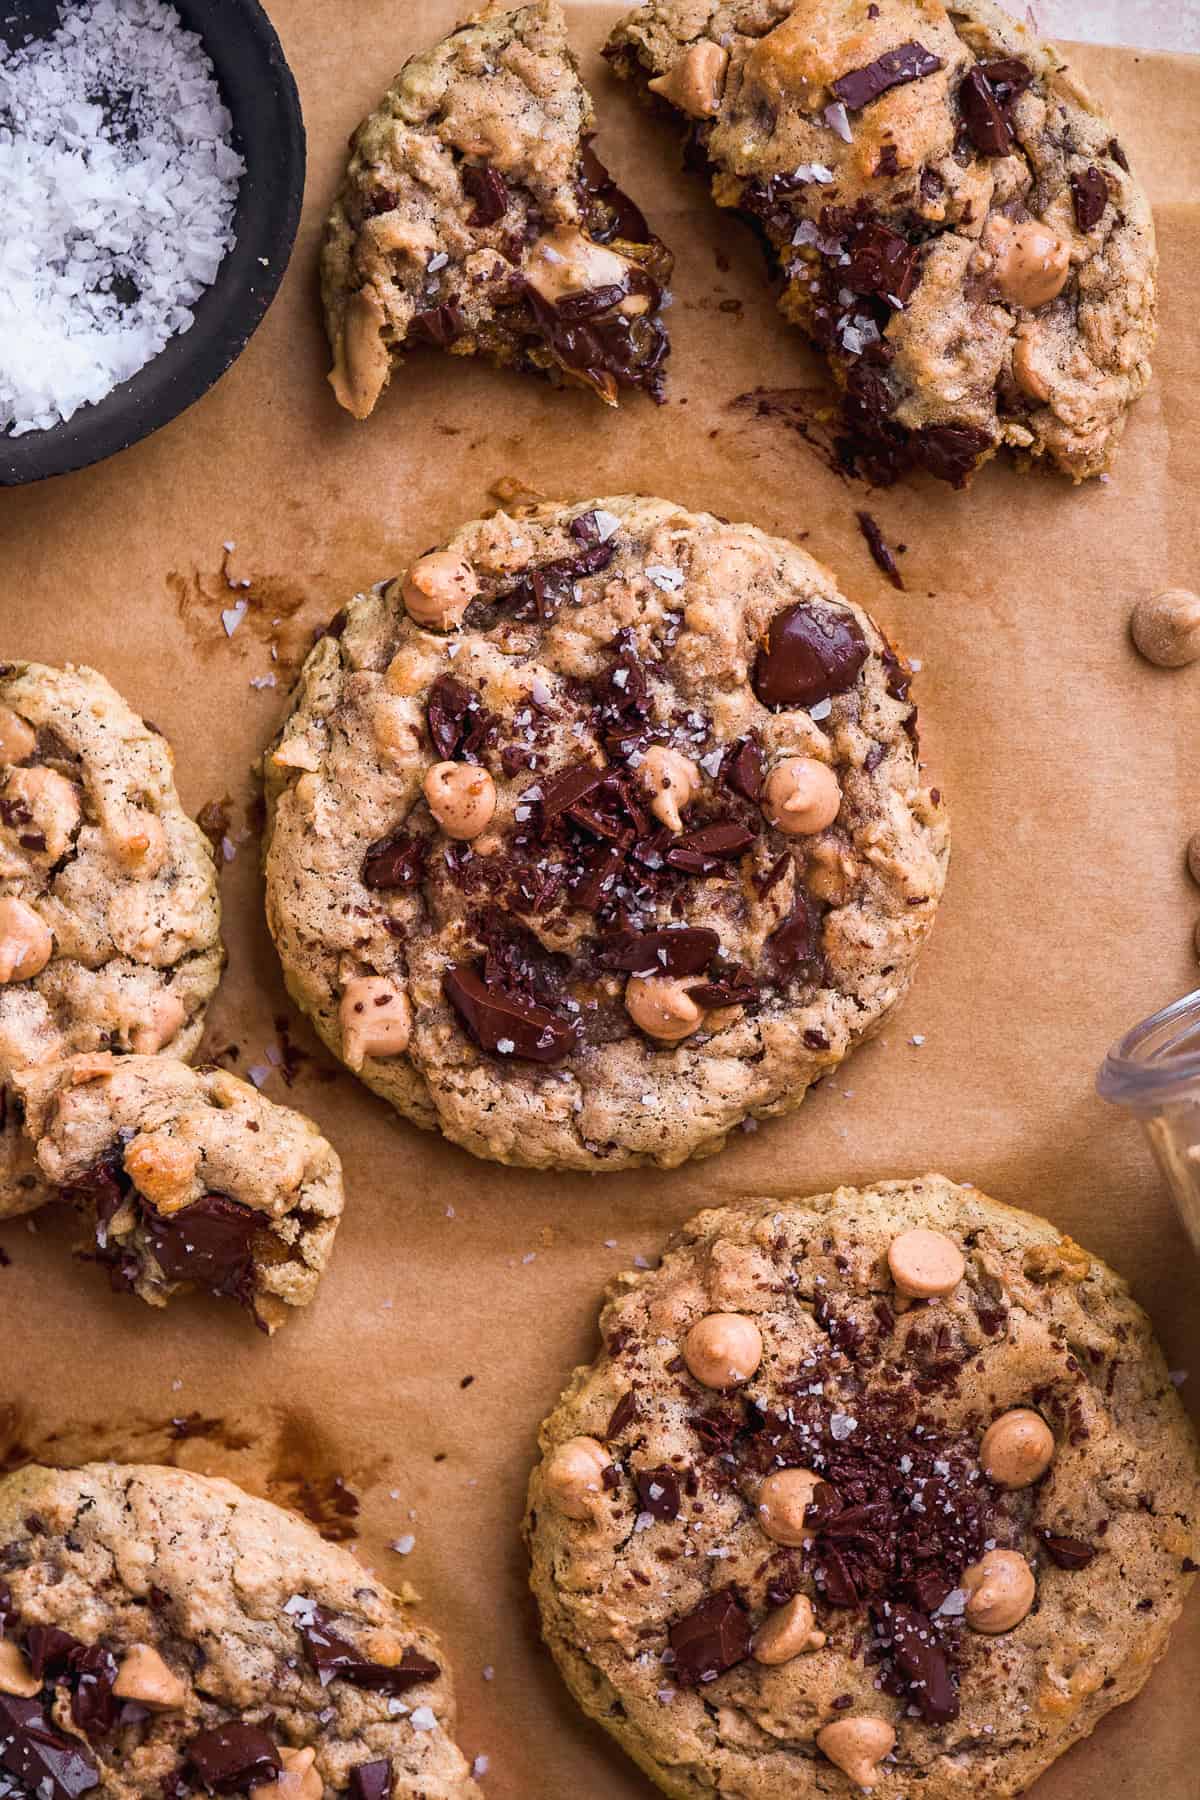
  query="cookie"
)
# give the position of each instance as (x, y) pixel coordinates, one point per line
(599, 831)
(475, 217)
(188, 1178)
(954, 222)
(109, 916)
(166, 1634)
(880, 1489)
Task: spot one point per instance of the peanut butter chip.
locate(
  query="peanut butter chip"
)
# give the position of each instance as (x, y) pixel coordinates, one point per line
(788, 1632)
(18, 739)
(568, 262)
(1031, 261)
(16, 1677)
(723, 1349)
(361, 361)
(1017, 1448)
(297, 1778)
(573, 1476)
(375, 1017)
(783, 1500)
(1028, 372)
(438, 590)
(1000, 1590)
(164, 1016)
(144, 1676)
(661, 1006)
(164, 1168)
(26, 944)
(671, 782)
(694, 82)
(801, 796)
(1166, 628)
(858, 1746)
(461, 797)
(925, 1265)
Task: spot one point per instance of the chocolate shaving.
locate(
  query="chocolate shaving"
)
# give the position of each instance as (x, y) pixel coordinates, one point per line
(911, 62)
(1089, 194)
(710, 1640)
(542, 591)
(877, 545)
(458, 724)
(505, 1023)
(623, 1415)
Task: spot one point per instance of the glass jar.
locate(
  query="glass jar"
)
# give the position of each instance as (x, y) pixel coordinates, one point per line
(1154, 1070)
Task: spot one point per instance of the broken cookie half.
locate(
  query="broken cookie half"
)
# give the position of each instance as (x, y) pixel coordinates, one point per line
(188, 1179)
(954, 222)
(476, 218)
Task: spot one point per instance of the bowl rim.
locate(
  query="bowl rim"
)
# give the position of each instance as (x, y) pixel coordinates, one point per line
(1146, 1067)
(235, 303)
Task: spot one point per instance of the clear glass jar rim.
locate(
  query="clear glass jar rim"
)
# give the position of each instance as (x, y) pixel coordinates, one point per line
(1156, 1059)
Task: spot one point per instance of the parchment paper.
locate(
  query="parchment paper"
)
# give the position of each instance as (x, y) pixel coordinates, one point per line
(1069, 764)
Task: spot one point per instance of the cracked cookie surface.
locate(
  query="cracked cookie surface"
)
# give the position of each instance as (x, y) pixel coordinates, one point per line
(475, 218)
(163, 1633)
(626, 842)
(109, 914)
(188, 1178)
(720, 1615)
(955, 223)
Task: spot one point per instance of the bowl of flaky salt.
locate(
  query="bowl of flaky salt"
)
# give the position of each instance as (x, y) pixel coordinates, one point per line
(152, 163)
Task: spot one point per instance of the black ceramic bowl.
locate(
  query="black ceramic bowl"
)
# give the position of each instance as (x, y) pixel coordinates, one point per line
(268, 130)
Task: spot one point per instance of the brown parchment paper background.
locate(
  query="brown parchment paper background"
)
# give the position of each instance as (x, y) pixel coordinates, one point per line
(1070, 766)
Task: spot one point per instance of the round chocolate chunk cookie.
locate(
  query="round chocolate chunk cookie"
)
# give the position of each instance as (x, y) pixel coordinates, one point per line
(109, 916)
(885, 1489)
(598, 831)
(162, 1634)
(187, 1179)
(475, 217)
(954, 222)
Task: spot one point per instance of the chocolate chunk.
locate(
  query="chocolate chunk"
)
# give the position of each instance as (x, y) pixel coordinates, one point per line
(1118, 155)
(877, 545)
(676, 950)
(713, 1638)
(564, 789)
(458, 724)
(45, 1764)
(333, 1657)
(810, 654)
(921, 1662)
(796, 944)
(49, 1651)
(742, 769)
(440, 326)
(371, 1780)
(504, 1023)
(893, 69)
(93, 1706)
(601, 344)
(608, 210)
(623, 1415)
(1089, 192)
(983, 116)
(730, 984)
(489, 190)
(595, 879)
(229, 1759)
(702, 851)
(543, 590)
(950, 452)
(209, 1242)
(1068, 1552)
(658, 1491)
(881, 263)
(395, 862)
